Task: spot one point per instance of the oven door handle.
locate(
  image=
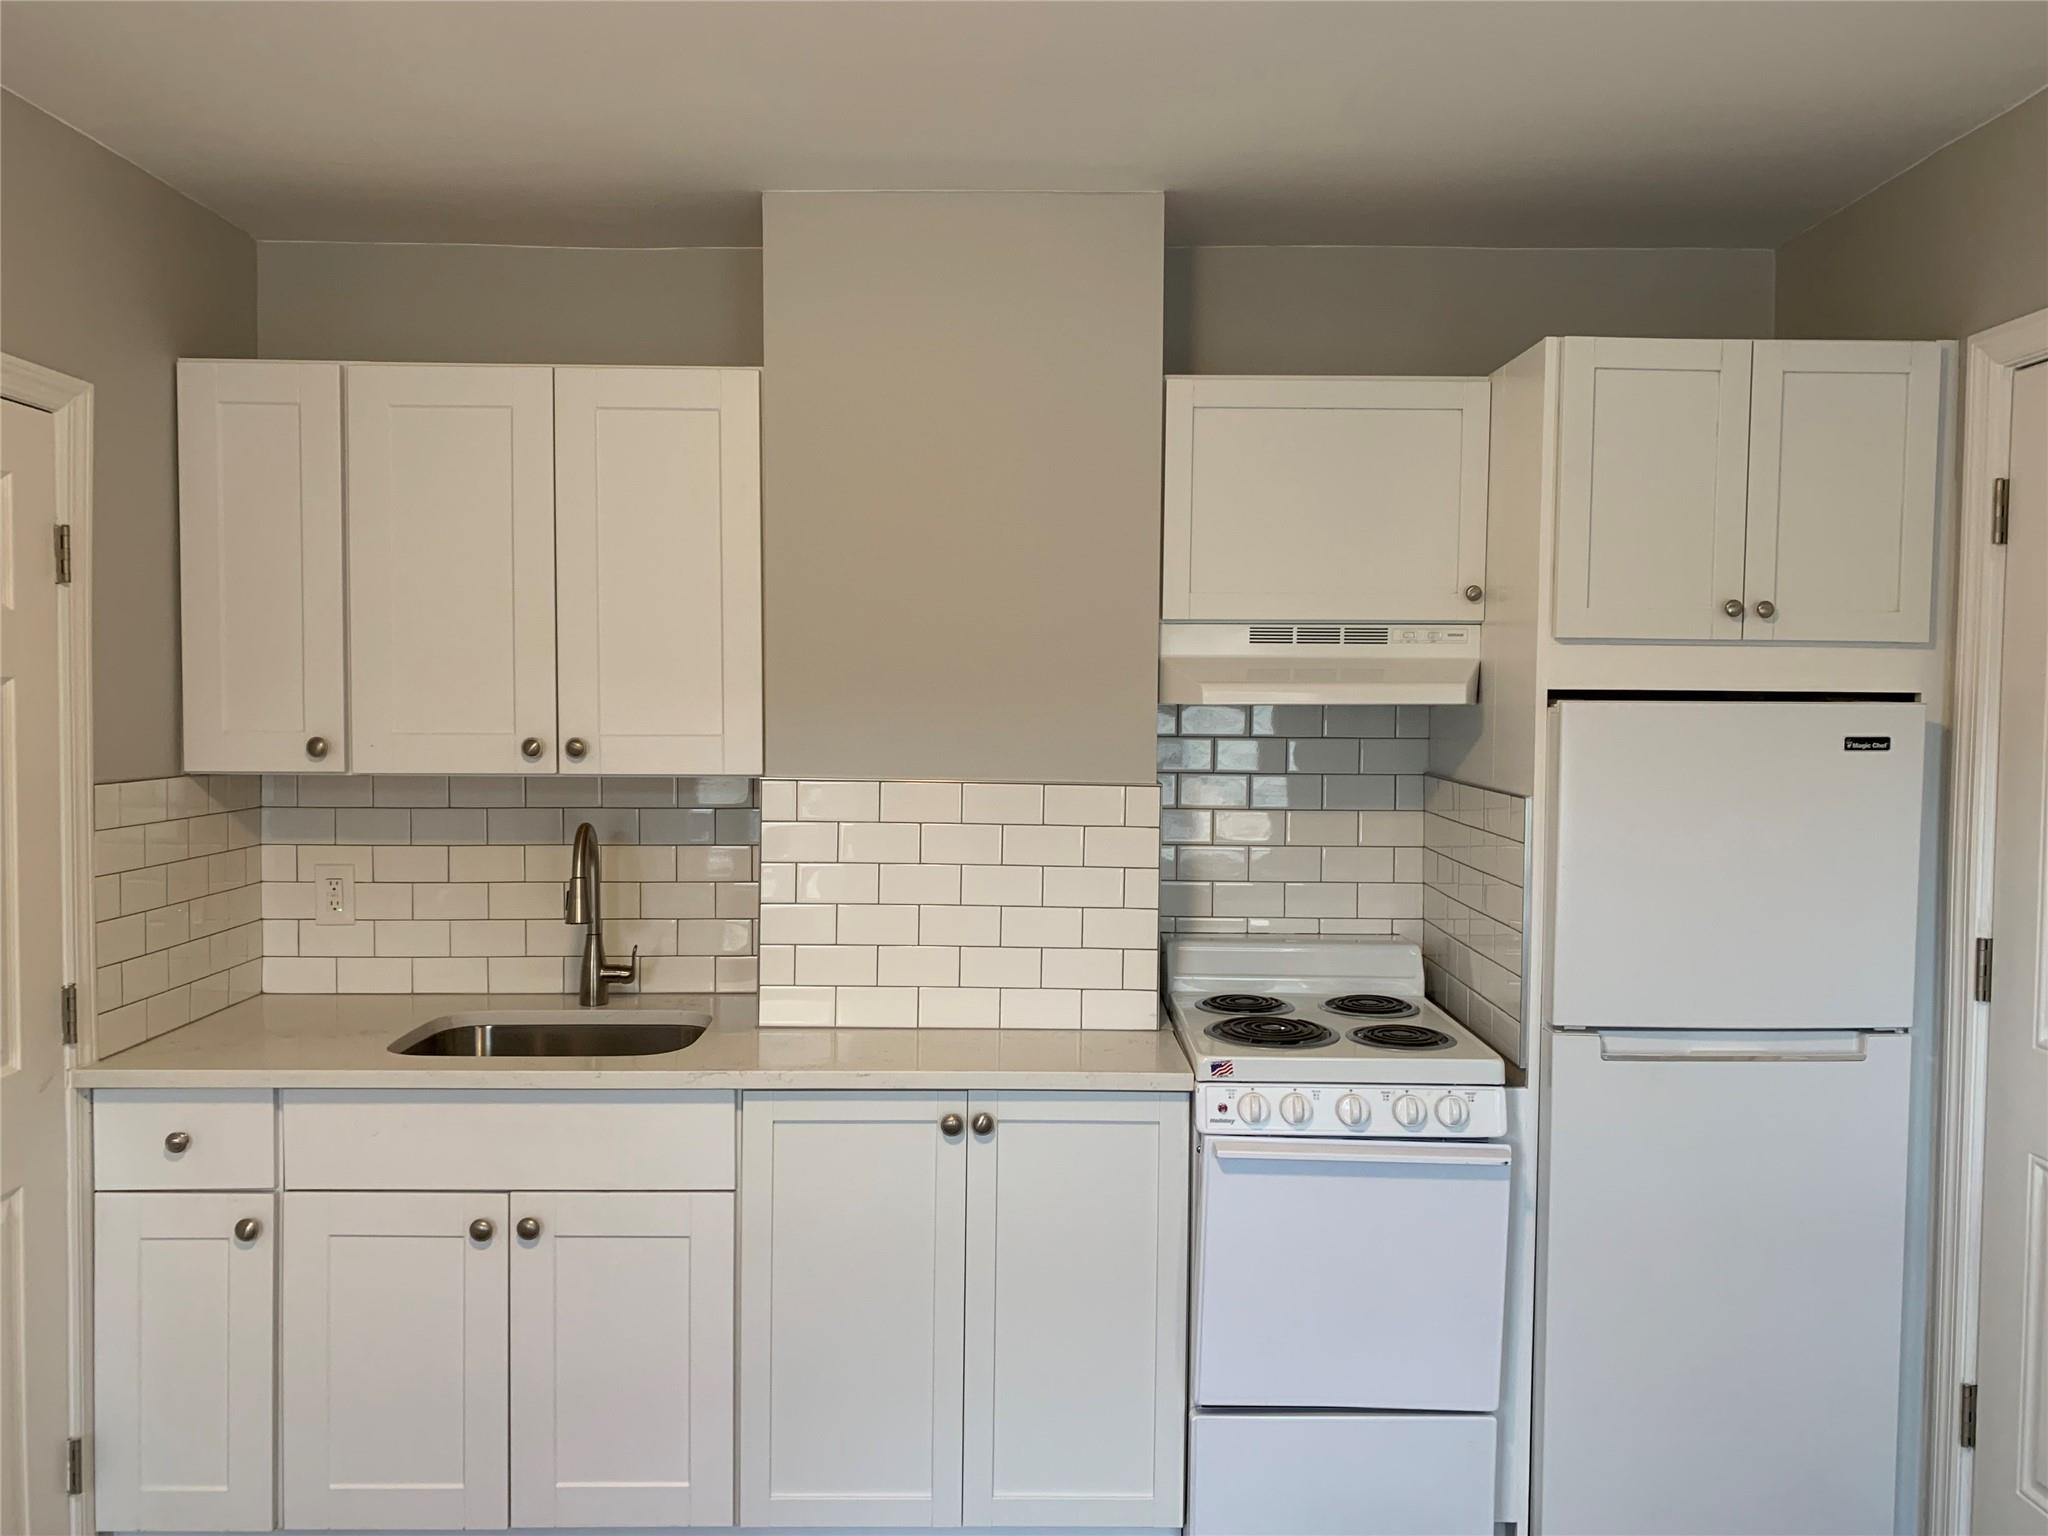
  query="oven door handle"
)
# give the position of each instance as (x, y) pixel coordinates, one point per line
(1443, 1154)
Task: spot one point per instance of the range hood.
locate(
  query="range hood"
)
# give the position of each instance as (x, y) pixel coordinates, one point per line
(1287, 663)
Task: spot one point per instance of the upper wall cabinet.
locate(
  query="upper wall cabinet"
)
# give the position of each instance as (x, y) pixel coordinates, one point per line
(658, 569)
(547, 570)
(1325, 499)
(1730, 490)
(260, 537)
(451, 543)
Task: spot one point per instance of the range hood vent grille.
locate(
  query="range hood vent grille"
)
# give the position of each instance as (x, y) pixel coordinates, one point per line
(1318, 634)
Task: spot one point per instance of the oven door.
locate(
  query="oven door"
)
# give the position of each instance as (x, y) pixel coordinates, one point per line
(1351, 1274)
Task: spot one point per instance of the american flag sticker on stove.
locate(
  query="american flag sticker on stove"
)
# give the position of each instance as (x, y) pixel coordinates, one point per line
(1223, 1069)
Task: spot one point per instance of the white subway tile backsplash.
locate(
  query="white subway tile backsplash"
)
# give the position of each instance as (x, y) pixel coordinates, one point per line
(946, 843)
(908, 801)
(848, 800)
(879, 842)
(1042, 845)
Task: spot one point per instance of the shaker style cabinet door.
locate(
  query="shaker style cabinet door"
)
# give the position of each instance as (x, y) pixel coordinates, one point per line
(658, 569)
(183, 1305)
(451, 540)
(260, 563)
(1844, 459)
(1653, 452)
(394, 1361)
(1077, 1243)
(852, 1243)
(622, 1360)
(1305, 499)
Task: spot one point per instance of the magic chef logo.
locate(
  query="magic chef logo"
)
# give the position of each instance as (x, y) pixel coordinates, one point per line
(1866, 743)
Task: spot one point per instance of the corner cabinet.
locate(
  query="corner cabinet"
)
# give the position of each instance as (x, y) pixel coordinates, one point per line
(1325, 499)
(545, 569)
(1749, 491)
(875, 1229)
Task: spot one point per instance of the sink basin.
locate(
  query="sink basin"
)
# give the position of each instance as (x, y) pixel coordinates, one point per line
(555, 1032)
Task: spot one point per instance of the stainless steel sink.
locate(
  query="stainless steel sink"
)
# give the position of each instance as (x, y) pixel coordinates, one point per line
(555, 1032)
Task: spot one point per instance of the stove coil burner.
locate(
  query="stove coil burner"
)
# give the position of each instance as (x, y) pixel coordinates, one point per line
(1272, 1034)
(1402, 1037)
(1372, 1005)
(1241, 1002)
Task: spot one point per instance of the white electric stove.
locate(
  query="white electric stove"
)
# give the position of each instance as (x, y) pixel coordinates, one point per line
(1352, 1134)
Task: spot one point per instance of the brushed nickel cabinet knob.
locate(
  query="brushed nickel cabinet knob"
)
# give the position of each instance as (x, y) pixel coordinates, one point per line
(248, 1229)
(531, 748)
(1474, 592)
(528, 1227)
(576, 748)
(177, 1141)
(984, 1123)
(950, 1125)
(1733, 607)
(482, 1228)
(316, 747)
(1766, 609)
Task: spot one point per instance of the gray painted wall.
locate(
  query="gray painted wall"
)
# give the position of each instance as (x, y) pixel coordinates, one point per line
(960, 484)
(508, 304)
(1955, 245)
(110, 276)
(1415, 309)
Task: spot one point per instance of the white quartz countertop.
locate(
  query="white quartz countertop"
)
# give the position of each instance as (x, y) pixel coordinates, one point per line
(343, 1042)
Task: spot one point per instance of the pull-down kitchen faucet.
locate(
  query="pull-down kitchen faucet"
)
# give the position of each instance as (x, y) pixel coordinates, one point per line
(582, 902)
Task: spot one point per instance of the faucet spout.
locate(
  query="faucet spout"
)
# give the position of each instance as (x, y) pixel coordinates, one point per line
(583, 906)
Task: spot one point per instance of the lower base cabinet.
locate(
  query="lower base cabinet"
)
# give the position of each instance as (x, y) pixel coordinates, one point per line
(963, 1309)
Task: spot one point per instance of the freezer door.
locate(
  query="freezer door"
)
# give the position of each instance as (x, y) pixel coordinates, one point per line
(1723, 1258)
(1737, 865)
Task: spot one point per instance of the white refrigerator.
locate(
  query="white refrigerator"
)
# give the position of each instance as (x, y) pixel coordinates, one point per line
(1724, 1174)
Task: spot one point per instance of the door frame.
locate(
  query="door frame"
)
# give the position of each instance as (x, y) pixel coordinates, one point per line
(70, 403)
(1992, 358)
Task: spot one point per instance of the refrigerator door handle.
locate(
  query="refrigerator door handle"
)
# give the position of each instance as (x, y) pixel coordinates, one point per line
(1731, 1045)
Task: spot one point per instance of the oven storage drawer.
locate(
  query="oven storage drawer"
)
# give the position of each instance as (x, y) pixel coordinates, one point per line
(1341, 1474)
(1348, 1274)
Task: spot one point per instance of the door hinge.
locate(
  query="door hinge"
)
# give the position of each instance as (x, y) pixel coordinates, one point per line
(64, 554)
(1980, 986)
(74, 1465)
(70, 1011)
(2001, 508)
(1966, 1417)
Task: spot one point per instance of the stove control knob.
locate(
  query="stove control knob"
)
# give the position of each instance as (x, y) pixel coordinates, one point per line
(1453, 1112)
(1410, 1112)
(1353, 1111)
(1294, 1108)
(1251, 1108)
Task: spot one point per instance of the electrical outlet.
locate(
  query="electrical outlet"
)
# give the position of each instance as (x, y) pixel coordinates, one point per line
(335, 885)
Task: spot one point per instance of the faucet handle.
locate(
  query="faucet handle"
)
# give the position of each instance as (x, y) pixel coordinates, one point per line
(630, 971)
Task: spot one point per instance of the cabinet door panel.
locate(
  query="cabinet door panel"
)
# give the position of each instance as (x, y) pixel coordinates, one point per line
(1652, 457)
(852, 1242)
(260, 562)
(182, 1317)
(1325, 498)
(658, 540)
(394, 1362)
(451, 540)
(1845, 441)
(1076, 1310)
(622, 1360)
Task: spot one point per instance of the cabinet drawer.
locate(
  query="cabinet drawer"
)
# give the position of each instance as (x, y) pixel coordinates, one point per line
(227, 1136)
(369, 1139)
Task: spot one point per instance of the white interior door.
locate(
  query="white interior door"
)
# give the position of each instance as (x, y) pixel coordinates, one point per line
(260, 561)
(852, 1254)
(1076, 1310)
(1325, 498)
(622, 1360)
(1653, 450)
(451, 546)
(1844, 450)
(34, 889)
(2009, 1481)
(184, 1395)
(658, 568)
(393, 1366)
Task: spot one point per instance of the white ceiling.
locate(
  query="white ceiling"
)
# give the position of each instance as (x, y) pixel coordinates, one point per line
(595, 122)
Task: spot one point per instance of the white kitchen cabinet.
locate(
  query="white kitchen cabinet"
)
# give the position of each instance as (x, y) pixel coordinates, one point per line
(1325, 499)
(183, 1305)
(853, 1252)
(260, 563)
(1844, 444)
(394, 1361)
(1651, 491)
(622, 1360)
(1734, 490)
(658, 569)
(1077, 1224)
(451, 562)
